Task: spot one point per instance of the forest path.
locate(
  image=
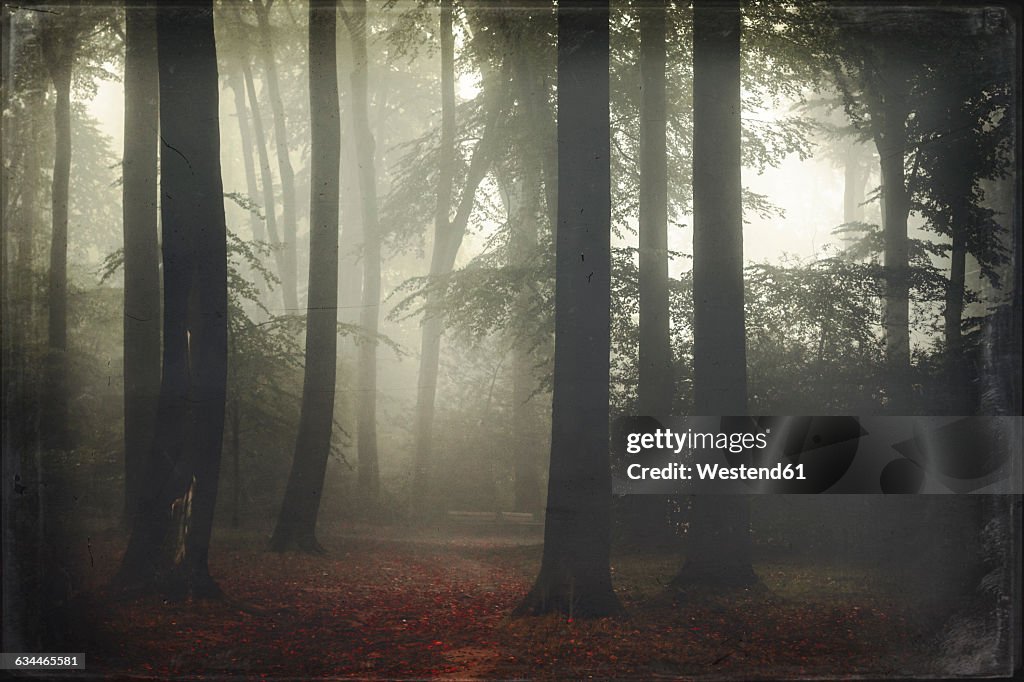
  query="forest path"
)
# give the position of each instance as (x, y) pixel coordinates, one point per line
(398, 605)
(401, 604)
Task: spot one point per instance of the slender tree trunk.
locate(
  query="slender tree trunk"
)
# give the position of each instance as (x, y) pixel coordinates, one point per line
(654, 391)
(574, 576)
(523, 244)
(266, 179)
(350, 277)
(237, 83)
(955, 290)
(855, 179)
(141, 249)
(184, 465)
(433, 323)
(718, 550)
(289, 273)
(447, 243)
(236, 454)
(58, 50)
(369, 318)
(25, 219)
(296, 524)
(956, 367)
(891, 140)
(646, 515)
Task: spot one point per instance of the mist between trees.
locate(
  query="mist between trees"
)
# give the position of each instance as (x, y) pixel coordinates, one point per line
(289, 266)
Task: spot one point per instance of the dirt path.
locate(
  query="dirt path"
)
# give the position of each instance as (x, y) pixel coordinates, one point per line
(400, 606)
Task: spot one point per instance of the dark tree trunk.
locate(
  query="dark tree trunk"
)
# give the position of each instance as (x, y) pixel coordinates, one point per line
(58, 48)
(718, 539)
(23, 215)
(719, 343)
(169, 545)
(24, 606)
(289, 258)
(891, 140)
(369, 317)
(646, 515)
(237, 83)
(956, 287)
(574, 576)
(266, 178)
(141, 249)
(654, 391)
(296, 524)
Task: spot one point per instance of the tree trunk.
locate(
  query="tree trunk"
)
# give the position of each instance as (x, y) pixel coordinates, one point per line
(267, 180)
(369, 317)
(350, 277)
(141, 249)
(891, 140)
(646, 515)
(446, 247)
(522, 245)
(237, 83)
(58, 50)
(718, 539)
(855, 179)
(433, 323)
(955, 289)
(296, 524)
(574, 576)
(719, 345)
(289, 273)
(654, 391)
(184, 465)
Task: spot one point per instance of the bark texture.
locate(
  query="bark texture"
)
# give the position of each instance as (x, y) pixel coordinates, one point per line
(141, 248)
(169, 545)
(718, 538)
(296, 524)
(574, 576)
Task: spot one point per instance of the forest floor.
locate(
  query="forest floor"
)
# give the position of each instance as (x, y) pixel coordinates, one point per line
(400, 604)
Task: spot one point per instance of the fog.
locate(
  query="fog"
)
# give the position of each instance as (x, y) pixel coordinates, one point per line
(813, 215)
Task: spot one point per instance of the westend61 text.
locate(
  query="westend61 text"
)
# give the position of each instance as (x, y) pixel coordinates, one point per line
(708, 472)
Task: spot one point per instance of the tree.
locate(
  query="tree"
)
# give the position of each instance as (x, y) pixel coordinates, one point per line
(60, 34)
(236, 81)
(297, 522)
(430, 342)
(966, 136)
(141, 250)
(718, 540)
(448, 235)
(289, 272)
(875, 71)
(266, 178)
(574, 576)
(369, 317)
(532, 95)
(646, 514)
(893, 83)
(655, 386)
(169, 545)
